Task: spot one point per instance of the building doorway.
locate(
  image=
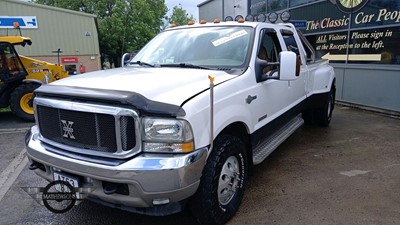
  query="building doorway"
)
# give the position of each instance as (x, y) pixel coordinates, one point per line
(71, 68)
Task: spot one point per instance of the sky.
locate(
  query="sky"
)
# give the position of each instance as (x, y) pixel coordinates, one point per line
(189, 5)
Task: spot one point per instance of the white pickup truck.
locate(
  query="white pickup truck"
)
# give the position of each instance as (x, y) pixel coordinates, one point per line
(184, 121)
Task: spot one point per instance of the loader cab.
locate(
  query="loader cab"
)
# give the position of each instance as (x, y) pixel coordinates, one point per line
(11, 67)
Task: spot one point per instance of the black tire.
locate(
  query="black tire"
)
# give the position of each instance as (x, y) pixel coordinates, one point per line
(21, 101)
(324, 115)
(308, 116)
(226, 170)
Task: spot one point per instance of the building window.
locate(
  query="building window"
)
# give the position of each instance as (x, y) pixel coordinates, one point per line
(71, 68)
(266, 6)
(276, 5)
(366, 36)
(258, 6)
(293, 3)
(375, 46)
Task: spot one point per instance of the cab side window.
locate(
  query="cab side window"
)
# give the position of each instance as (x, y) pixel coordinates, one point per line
(290, 42)
(10, 65)
(291, 45)
(269, 49)
(310, 53)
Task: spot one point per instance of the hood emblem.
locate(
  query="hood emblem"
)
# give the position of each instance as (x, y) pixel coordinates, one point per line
(67, 128)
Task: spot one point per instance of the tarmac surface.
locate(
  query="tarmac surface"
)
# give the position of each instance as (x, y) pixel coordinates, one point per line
(348, 173)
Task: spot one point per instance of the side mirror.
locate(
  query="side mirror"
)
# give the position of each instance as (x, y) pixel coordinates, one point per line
(260, 65)
(287, 68)
(125, 59)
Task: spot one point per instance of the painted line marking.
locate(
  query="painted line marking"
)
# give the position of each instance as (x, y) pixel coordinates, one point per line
(10, 174)
(353, 173)
(393, 165)
(14, 130)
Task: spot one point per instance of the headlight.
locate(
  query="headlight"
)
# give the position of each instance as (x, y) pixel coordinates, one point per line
(167, 135)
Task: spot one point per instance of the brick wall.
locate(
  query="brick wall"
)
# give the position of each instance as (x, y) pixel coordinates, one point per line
(91, 62)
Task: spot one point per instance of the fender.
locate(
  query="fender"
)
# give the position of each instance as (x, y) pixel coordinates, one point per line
(222, 119)
(322, 80)
(199, 113)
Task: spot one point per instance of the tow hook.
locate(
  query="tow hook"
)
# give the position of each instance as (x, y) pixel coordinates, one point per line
(34, 166)
(110, 189)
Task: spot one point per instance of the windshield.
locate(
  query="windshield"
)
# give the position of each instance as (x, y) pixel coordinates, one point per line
(213, 47)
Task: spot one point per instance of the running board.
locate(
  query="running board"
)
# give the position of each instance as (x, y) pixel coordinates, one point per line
(272, 142)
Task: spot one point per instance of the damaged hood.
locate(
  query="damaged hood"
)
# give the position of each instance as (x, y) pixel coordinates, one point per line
(167, 85)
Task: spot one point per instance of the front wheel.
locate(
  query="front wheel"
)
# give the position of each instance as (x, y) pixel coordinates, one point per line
(21, 101)
(222, 183)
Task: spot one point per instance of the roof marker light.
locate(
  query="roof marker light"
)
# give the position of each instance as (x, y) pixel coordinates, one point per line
(216, 20)
(250, 18)
(285, 16)
(261, 18)
(238, 17)
(203, 21)
(228, 18)
(273, 17)
(191, 22)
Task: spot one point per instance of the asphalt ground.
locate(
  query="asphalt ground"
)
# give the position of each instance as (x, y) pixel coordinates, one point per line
(348, 173)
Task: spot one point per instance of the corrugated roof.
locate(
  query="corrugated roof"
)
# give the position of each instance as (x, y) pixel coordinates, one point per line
(203, 3)
(75, 33)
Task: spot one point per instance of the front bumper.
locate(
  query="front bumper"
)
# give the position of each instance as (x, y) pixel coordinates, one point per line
(152, 179)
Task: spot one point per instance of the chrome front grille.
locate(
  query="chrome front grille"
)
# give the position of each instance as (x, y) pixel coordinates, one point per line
(88, 128)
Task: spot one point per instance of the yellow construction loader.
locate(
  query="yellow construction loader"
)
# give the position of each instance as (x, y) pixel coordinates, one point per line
(20, 76)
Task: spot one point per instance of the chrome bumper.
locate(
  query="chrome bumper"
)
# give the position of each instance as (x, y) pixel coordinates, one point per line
(152, 179)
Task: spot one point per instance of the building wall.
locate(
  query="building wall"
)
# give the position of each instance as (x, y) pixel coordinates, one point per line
(73, 32)
(374, 86)
(235, 7)
(210, 10)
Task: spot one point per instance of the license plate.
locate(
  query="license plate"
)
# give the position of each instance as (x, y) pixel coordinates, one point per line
(71, 180)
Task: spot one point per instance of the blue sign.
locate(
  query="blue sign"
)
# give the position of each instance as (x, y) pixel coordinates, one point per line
(25, 22)
(301, 24)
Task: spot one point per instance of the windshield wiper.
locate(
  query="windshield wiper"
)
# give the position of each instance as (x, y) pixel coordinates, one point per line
(140, 63)
(185, 65)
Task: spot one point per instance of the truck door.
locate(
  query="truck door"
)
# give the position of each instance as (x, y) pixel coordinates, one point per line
(272, 95)
(297, 90)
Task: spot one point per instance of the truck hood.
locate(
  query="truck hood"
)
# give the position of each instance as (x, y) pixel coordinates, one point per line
(168, 85)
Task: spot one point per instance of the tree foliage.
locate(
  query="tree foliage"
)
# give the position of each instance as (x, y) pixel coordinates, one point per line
(123, 25)
(179, 16)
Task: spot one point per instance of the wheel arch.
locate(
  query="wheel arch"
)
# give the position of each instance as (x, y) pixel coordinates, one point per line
(240, 130)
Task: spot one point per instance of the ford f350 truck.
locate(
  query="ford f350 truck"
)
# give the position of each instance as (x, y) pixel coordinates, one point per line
(184, 121)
